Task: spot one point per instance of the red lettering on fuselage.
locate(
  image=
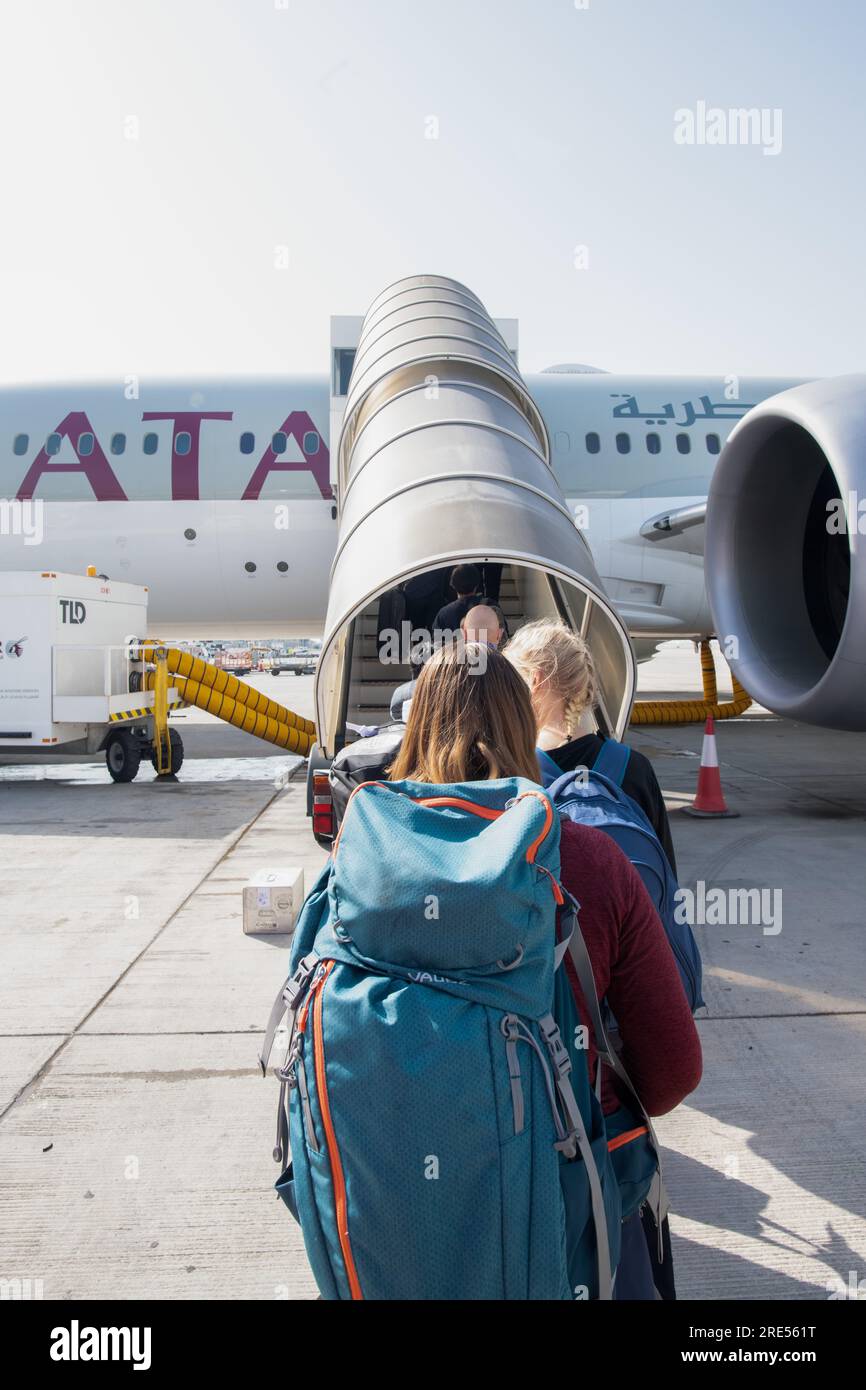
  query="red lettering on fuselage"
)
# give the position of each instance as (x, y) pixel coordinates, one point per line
(95, 466)
(184, 467)
(297, 426)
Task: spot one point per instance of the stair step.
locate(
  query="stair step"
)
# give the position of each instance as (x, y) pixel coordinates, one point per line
(372, 682)
(369, 668)
(372, 692)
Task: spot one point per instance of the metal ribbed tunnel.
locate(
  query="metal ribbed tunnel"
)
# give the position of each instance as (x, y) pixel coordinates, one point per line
(444, 458)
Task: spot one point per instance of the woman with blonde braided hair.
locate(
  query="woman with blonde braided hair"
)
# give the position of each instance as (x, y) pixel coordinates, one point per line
(557, 666)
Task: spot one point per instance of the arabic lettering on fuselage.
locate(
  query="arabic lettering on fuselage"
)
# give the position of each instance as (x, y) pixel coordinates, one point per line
(629, 409)
(96, 470)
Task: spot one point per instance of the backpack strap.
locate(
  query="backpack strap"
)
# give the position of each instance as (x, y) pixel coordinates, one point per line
(549, 769)
(287, 1001)
(577, 1135)
(568, 926)
(612, 760)
(607, 1053)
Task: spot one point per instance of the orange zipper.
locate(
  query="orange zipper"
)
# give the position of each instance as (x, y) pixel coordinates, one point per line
(626, 1138)
(305, 1007)
(486, 812)
(489, 814)
(337, 1177)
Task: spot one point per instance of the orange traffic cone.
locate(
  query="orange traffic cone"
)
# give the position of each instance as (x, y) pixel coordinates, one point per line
(710, 800)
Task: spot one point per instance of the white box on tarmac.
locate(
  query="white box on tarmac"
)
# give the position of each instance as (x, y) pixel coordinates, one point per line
(272, 901)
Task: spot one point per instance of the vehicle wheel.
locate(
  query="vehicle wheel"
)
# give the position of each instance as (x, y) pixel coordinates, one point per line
(176, 753)
(123, 757)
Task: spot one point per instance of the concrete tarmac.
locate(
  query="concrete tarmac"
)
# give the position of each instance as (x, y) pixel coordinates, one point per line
(136, 1130)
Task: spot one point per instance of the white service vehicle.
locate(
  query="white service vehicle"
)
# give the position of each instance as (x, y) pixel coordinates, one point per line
(66, 669)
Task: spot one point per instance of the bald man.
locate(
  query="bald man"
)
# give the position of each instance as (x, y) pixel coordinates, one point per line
(482, 624)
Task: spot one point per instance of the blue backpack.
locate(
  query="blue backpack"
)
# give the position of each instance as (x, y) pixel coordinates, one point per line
(445, 1140)
(595, 797)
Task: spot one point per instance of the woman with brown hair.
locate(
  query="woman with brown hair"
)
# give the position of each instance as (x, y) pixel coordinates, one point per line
(471, 720)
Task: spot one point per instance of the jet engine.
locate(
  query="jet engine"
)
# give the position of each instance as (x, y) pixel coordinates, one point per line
(785, 561)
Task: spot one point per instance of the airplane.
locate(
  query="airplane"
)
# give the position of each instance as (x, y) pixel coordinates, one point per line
(218, 495)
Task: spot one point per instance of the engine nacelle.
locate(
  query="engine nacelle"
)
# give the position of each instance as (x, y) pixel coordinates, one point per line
(785, 562)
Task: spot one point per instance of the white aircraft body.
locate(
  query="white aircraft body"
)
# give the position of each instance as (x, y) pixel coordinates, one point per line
(217, 494)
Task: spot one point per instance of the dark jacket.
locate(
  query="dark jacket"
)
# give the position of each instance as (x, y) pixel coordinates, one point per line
(449, 618)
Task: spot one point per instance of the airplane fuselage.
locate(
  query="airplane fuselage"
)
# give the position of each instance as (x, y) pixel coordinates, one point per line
(218, 496)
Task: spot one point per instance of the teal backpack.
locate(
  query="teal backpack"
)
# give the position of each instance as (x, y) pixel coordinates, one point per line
(445, 1140)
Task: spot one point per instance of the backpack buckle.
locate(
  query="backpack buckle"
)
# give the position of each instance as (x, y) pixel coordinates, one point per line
(287, 1000)
(298, 982)
(286, 1073)
(555, 1046)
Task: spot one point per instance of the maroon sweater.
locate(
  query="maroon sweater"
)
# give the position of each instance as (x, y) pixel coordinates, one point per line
(634, 967)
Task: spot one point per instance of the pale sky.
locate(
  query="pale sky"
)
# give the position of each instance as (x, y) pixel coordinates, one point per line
(305, 127)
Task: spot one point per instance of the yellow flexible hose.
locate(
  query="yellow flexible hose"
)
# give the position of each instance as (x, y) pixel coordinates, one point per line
(243, 716)
(694, 711)
(207, 676)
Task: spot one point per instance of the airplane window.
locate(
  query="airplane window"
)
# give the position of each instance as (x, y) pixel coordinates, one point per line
(345, 361)
(183, 443)
(189, 533)
(713, 444)
(52, 444)
(85, 444)
(118, 443)
(150, 442)
(248, 442)
(645, 468)
(623, 443)
(684, 443)
(20, 444)
(311, 442)
(282, 566)
(280, 442)
(250, 567)
(562, 442)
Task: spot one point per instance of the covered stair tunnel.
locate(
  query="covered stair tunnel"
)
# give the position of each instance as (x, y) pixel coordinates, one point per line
(443, 459)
